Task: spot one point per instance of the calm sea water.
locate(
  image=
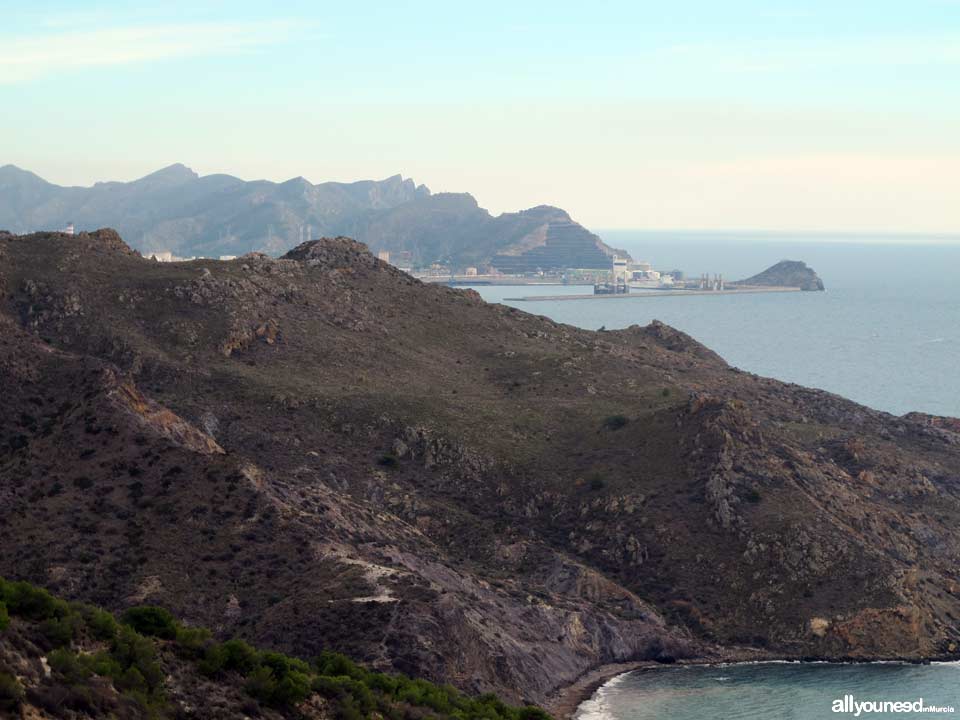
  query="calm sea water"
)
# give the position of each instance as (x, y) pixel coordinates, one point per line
(886, 333)
(771, 691)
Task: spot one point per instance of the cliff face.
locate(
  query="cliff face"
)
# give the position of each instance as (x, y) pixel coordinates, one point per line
(321, 452)
(786, 273)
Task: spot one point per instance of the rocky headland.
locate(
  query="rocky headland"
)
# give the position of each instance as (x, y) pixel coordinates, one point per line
(319, 452)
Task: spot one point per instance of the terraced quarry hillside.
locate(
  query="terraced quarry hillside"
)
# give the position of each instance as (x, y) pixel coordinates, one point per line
(557, 245)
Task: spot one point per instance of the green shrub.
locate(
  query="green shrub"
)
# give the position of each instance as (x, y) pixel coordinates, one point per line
(102, 625)
(347, 711)
(192, 641)
(233, 655)
(489, 703)
(291, 689)
(62, 630)
(105, 665)
(272, 678)
(283, 665)
(344, 688)
(362, 697)
(24, 600)
(11, 692)
(532, 712)
(131, 650)
(280, 680)
(213, 660)
(383, 683)
(615, 422)
(133, 680)
(239, 656)
(332, 687)
(74, 668)
(333, 663)
(261, 684)
(150, 620)
(425, 694)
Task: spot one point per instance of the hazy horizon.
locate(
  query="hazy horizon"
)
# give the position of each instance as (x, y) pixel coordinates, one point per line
(795, 116)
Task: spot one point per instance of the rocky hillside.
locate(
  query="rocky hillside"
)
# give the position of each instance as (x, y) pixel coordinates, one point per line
(453, 229)
(176, 210)
(319, 452)
(786, 273)
(70, 661)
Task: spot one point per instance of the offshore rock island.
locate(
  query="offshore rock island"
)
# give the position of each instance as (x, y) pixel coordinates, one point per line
(786, 273)
(319, 452)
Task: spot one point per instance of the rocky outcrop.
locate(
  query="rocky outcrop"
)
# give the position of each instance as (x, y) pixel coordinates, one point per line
(946, 429)
(674, 340)
(786, 273)
(152, 417)
(340, 253)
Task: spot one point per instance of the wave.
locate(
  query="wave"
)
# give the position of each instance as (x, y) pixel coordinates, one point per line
(597, 707)
(602, 705)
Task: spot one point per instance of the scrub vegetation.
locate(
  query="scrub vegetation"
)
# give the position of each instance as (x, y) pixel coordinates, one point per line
(101, 666)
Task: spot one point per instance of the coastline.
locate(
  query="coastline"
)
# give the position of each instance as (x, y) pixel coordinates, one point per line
(657, 293)
(563, 703)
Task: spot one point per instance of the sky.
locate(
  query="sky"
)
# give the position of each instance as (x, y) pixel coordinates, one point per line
(840, 115)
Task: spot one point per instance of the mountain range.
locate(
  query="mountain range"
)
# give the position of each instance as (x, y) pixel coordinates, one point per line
(176, 210)
(319, 452)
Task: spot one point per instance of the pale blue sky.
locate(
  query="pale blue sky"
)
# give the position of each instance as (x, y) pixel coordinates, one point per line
(839, 115)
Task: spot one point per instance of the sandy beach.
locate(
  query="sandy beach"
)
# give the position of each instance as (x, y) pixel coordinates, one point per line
(564, 702)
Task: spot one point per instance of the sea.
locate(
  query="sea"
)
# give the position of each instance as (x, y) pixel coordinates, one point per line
(778, 691)
(885, 333)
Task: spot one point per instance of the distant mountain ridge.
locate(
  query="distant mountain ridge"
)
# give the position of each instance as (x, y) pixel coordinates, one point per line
(188, 214)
